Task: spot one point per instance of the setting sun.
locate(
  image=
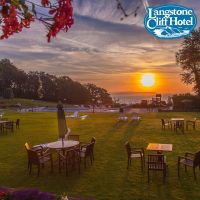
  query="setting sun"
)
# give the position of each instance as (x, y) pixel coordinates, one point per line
(148, 80)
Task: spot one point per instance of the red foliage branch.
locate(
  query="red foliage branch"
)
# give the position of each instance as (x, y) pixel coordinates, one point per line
(15, 15)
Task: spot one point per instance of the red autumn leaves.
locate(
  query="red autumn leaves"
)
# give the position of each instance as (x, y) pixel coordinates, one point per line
(14, 20)
(63, 18)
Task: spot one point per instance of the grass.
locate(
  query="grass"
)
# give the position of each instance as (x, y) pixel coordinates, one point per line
(108, 178)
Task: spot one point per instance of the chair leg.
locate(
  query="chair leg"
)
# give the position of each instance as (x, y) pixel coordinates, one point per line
(128, 162)
(178, 169)
(142, 164)
(30, 168)
(195, 178)
(164, 175)
(59, 165)
(51, 165)
(66, 168)
(144, 161)
(91, 159)
(148, 176)
(38, 170)
(85, 162)
(185, 168)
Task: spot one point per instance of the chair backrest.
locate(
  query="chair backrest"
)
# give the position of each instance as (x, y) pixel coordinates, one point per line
(93, 140)
(163, 121)
(9, 123)
(33, 156)
(197, 159)
(156, 161)
(27, 147)
(74, 137)
(128, 148)
(89, 148)
(17, 122)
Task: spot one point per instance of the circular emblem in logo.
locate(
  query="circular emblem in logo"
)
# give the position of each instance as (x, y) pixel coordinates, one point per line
(170, 21)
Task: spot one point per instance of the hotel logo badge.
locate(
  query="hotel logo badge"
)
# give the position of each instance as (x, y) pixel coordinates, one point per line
(170, 21)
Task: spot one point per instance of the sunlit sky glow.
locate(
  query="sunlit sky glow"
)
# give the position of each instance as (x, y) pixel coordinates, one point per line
(103, 50)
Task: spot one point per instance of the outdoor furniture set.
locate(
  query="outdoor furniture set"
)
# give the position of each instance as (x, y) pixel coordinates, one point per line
(6, 125)
(157, 161)
(69, 153)
(176, 124)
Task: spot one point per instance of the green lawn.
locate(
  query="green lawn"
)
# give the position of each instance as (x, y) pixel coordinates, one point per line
(108, 178)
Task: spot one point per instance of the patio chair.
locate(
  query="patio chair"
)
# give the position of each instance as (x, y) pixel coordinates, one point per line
(179, 125)
(136, 118)
(156, 162)
(69, 158)
(84, 144)
(73, 137)
(191, 123)
(134, 153)
(165, 124)
(86, 153)
(40, 149)
(76, 115)
(39, 159)
(123, 118)
(189, 160)
(17, 123)
(9, 126)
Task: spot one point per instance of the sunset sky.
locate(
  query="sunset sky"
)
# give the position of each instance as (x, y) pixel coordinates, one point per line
(102, 49)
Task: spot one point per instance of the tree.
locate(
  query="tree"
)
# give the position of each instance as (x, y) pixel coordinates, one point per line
(98, 96)
(10, 77)
(8, 93)
(188, 57)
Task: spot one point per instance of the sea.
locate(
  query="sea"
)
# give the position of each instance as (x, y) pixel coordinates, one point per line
(136, 97)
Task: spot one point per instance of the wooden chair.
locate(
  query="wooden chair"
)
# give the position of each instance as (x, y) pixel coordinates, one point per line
(93, 141)
(17, 123)
(165, 124)
(86, 152)
(9, 126)
(135, 153)
(73, 137)
(39, 159)
(84, 144)
(191, 123)
(69, 158)
(156, 162)
(189, 160)
(38, 149)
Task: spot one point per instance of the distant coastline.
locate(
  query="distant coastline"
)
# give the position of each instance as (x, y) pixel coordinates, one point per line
(136, 97)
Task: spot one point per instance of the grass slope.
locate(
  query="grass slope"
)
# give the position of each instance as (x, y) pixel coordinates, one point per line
(108, 178)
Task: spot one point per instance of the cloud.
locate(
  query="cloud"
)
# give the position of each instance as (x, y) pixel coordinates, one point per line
(98, 46)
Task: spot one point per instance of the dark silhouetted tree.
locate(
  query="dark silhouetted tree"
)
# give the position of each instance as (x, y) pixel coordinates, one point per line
(188, 57)
(98, 96)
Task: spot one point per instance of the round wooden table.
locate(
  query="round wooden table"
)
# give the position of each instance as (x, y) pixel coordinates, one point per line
(62, 144)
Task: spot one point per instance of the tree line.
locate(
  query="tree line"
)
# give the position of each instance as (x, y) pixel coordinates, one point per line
(40, 85)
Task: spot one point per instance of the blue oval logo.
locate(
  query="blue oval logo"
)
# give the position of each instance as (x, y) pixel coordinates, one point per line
(170, 21)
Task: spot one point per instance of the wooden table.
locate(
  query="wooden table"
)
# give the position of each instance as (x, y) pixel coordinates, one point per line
(66, 144)
(2, 124)
(178, 123)
(159, 147)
